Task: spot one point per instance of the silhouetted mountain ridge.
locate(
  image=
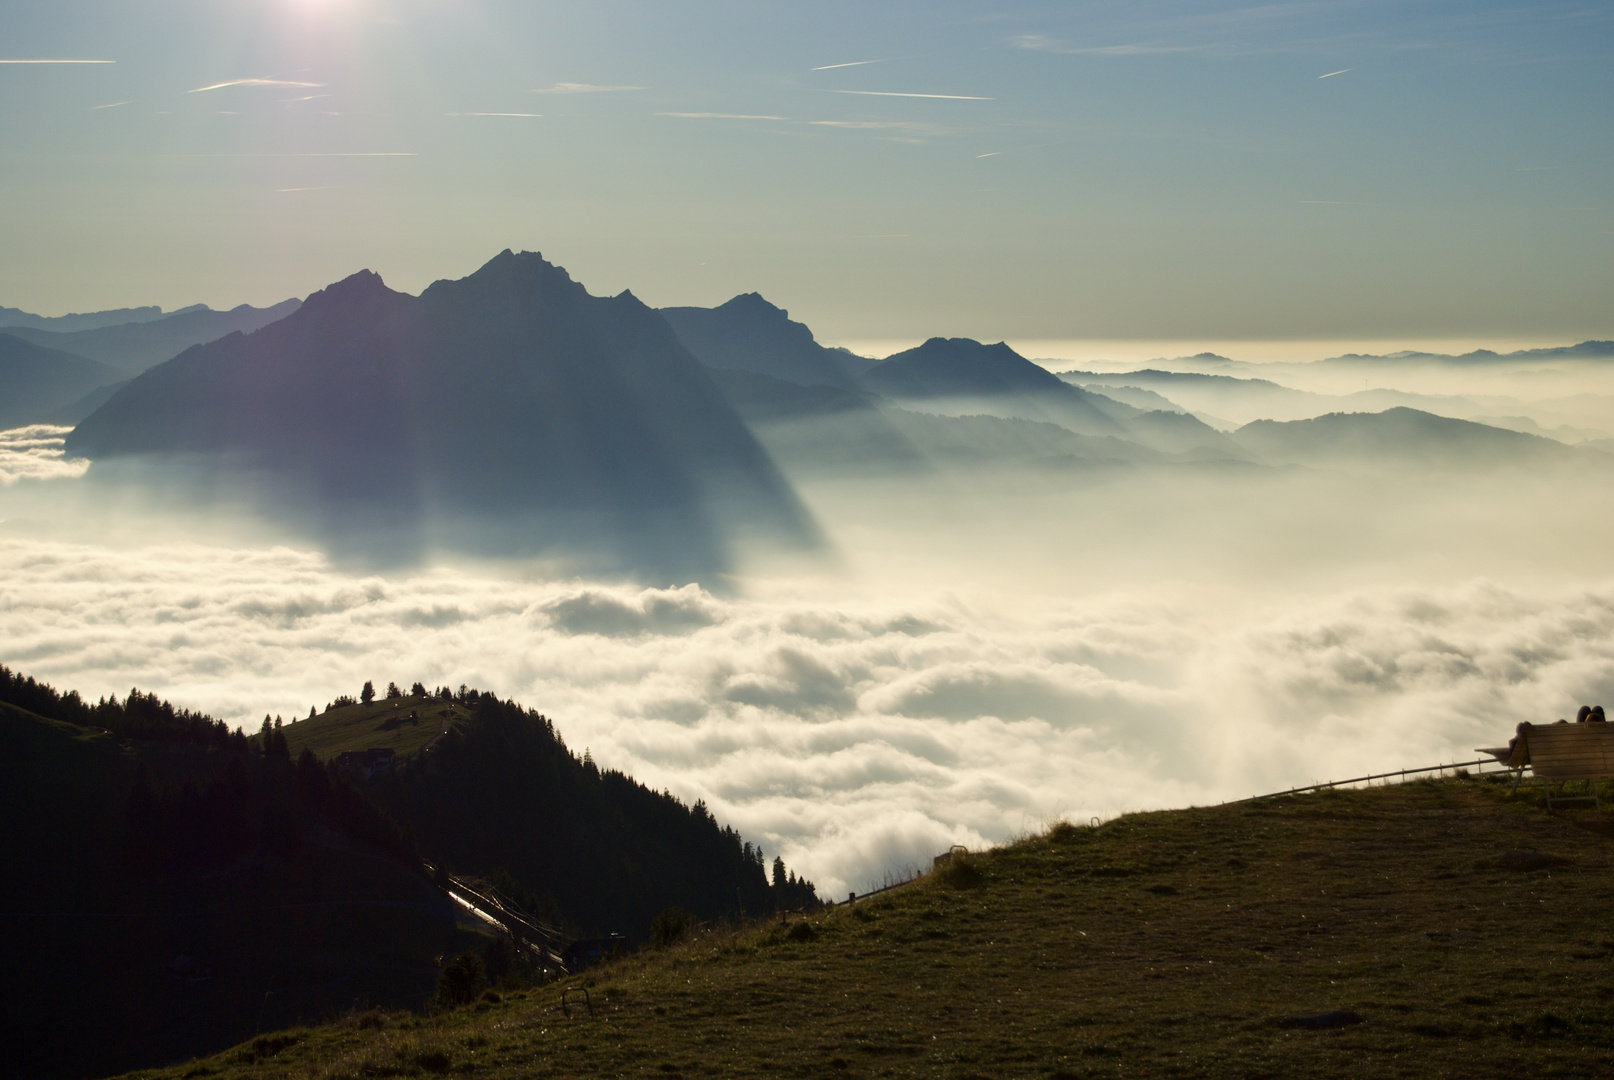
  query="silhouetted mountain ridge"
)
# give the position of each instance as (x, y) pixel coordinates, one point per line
(749, 334)
(580, 420)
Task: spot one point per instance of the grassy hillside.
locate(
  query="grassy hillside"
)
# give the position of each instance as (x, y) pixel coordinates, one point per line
(1470, 932)
(383, 723)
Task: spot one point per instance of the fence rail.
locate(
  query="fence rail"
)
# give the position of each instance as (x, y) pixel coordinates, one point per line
(1478, 764)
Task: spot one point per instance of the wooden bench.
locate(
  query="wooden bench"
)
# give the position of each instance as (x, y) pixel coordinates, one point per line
(1558, 752)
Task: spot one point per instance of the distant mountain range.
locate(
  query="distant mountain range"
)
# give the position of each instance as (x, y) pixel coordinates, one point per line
(606, 430)
(95, 320)
(1401, 436)
(137, 344)
(958, 376)
(1230, 400)
(1585, 350)
(581, 423)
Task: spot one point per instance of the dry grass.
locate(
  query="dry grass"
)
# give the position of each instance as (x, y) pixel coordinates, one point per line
(1471, 932)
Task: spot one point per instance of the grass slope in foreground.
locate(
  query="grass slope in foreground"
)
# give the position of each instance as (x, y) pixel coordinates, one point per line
(1471, 932)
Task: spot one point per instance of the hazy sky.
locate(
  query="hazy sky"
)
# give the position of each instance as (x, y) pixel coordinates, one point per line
(1051, 170)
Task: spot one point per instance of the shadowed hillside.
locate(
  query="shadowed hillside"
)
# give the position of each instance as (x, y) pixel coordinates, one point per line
(140, 835)
(37, 383)
(183, 890)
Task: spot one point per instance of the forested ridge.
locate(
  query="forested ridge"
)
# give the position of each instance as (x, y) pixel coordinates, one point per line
(147, 843)
(501, 796)
(505, 798)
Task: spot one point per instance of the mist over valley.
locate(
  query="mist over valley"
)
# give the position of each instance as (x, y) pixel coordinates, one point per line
(863, 608)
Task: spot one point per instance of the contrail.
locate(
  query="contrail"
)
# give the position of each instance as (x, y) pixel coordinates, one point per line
(253, 82)
(890, 93)
(58, 61)
(718, 116)
(854, 63)
(1331, 74)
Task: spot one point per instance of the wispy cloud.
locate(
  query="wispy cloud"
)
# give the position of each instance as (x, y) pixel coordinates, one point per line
(719, 116)
(58, 61)
(522, 114)
(854, 63)
(866, 125)
(111, 105)
(1044, 43)
(255, 82)
(893, 93)
(315, 154)
(586, 88)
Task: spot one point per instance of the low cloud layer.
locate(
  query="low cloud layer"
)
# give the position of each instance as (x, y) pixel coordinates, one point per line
(35, 453)
(855, 739)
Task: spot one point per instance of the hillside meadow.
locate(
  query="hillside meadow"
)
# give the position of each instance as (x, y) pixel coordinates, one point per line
(1435, 928)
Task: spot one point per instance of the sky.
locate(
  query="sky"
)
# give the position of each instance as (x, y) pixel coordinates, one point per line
(981, 652)
(1031, 171)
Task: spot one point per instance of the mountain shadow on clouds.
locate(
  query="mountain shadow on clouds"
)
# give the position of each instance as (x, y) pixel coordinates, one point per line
(507, 413)
(750, 334)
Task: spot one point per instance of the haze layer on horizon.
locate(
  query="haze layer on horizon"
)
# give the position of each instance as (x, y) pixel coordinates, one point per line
(1033, 171)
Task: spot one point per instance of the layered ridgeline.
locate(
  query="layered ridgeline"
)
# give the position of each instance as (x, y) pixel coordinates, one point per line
(42, 385)
(185, 886)
(567, 421)
(954, 402)
(133, 339)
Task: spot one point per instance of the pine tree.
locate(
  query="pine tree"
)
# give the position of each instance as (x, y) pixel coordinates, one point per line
(367, 695)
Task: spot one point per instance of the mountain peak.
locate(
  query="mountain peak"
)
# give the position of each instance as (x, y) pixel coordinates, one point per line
(510, 274)
(959, 367)
(754, 305)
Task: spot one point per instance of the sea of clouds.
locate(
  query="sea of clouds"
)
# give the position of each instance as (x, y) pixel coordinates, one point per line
(980, 656)
(855, 740)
